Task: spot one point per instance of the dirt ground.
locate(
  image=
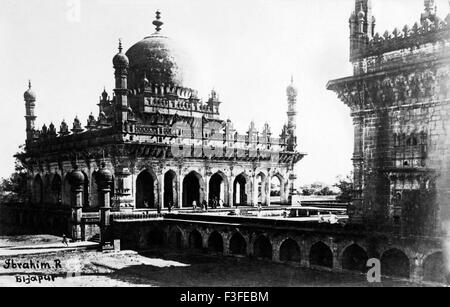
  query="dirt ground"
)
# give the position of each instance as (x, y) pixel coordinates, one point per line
(156, 268)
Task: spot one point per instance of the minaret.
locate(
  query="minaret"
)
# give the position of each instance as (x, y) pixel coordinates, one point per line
(30, 99)
(121, 64)
(362, 27)
(430, 11)
(292, 116)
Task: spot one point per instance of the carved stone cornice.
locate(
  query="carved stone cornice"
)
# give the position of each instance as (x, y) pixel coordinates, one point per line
(396, 88)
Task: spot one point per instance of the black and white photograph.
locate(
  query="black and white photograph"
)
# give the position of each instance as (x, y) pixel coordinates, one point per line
(224, 149)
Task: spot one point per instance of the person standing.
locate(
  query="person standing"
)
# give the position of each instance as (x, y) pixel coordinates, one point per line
(64, 241)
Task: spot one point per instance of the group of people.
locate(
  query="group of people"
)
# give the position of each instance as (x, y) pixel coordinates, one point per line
(214, 203)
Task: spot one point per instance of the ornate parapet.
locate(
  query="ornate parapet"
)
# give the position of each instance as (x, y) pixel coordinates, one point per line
(408, 37)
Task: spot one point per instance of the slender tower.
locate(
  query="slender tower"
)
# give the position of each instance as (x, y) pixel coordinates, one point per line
(362, 27)
(292, 116)
(30, 99)
(121, 64)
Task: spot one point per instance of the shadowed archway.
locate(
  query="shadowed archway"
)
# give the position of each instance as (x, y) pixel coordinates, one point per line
(215, 243)
(170, 189)
(321, 255)
(56, 189)
(289, 251)
(218, 188)
(38, 190)
(263, 248)
(434, 269)
(195, 240)
(240, 187)
(146, 190)
(175, 239)
(238, 245)
(192, 189)
(395, 263)
(354, 258)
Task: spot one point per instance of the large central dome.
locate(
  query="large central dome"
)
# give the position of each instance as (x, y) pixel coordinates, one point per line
(157, 59)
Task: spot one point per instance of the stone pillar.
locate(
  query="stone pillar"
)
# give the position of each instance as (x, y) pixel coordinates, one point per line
(104, 179)
(207, 178)
(230, 193)
(268, 188)
(226, 244)
(416, 269)
(77, 185)
(161, 190)
(276, 251)
(180, 191)
(125, 190)
(304, 254)
(254, 197)
(337, 265)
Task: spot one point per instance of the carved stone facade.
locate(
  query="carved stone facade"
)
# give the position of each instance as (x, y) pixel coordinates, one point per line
(161, 147)
(399, 99)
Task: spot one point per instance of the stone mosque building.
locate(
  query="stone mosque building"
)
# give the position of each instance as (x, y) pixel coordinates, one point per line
(154, 144)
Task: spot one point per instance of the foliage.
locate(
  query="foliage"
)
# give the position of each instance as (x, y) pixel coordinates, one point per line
(14, 188)
(317, 189)
(345, 185)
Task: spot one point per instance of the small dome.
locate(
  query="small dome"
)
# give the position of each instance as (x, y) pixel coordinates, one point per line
(104, 176)
(120, 60)
(29, 95)
(76, 177)
(361, 13)
(291, 89)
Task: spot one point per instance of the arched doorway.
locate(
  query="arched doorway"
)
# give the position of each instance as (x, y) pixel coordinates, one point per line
(94, 201)
(395, 263)
(434, 268)
(192, 189)
(195, 240)
(38, 189)
(86, 200)
(354, 258)
(240, 187)
(289, 251)
(275, 191)
(218, 187)
(238, 245)
(215, 243)
(170, 189)
(176, 239)
(263, 248)
(146, 190)
(321, 255)
(56, 189)
(67, 192)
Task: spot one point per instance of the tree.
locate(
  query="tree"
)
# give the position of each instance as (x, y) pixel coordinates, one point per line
(14, 188)
(345, 185)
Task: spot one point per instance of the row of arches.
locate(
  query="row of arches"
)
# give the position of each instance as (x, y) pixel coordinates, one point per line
(53, 190)
(394, 262)
(193, 189)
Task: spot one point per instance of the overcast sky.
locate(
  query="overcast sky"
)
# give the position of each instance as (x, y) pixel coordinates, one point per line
(246, 49)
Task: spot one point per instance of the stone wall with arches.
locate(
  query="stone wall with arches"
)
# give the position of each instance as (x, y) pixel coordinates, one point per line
(301, 248)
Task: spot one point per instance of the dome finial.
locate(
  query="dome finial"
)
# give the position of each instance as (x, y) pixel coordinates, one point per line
(120, 45)
(29, 84)
(157, 22)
